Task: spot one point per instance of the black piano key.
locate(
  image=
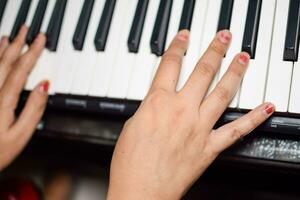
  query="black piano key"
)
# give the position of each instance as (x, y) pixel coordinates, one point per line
(137, 26)
(104, 25)
(82, 25)
(2, 8)
(187, 15)
(20, 19)
(159, 34)
(251, 28)
(36, 24)
(291, 46)
(54, 27)
(225, 15)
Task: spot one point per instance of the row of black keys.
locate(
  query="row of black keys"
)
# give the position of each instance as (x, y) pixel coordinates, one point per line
(160, 28)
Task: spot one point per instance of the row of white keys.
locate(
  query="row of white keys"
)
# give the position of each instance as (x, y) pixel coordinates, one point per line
(210, 29)
(68, 56)
(253, 87)
(9, 16)
(193, 52)
(87, 57)
(280, 71)
(237, 27)
(43, 69)
(124, 61)
(145, 61)
(104, 61)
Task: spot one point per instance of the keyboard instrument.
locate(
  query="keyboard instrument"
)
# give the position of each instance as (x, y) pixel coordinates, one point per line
(101, 55)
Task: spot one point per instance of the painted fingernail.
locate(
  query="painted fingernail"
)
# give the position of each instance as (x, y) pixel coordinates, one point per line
(183, 36)
(224, 37)
(44, 87)
(244, 59)
(269, 109)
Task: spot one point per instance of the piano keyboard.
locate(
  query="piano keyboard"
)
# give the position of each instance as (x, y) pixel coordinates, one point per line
(103, 52)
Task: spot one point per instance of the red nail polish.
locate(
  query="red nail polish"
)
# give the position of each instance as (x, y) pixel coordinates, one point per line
(224, 37)
(243, 59)
(44, 87)
(183, 37)
(269, 109)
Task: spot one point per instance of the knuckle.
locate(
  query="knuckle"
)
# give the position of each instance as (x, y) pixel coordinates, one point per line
(171, 57)
(22, 70)
(217, 48)
(158, 97)
(205, 69)
(6, 100)
(254, 122)
(18, 42)
(236, 71)
(236, 133)
(222, 94)
(38, 103)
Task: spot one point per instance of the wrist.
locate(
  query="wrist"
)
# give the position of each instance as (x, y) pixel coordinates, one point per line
(133, 192)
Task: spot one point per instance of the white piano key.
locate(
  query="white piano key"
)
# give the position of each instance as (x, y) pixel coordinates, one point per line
(9, 16)
(67, 55)
(174, 23)
(104, 61)
(196, 34)
(33, 6)
(294, 104)
(280, 72)
(253, 87)
(237, 27)
(43, 69)
(47, 16)
(32, 9)
(210, 27)
(141, 75)
(124, 63)
(87, 58)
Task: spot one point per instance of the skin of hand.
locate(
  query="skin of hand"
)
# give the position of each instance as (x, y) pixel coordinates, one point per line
(15, 65)
(170, 141)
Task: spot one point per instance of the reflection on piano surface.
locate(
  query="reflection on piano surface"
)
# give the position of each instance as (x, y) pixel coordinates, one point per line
(101, 55)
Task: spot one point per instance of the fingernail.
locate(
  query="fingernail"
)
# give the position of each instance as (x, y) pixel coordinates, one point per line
(39, 40)
(224, 37)
(269, 109)
(183, 36)
(44, 87)
(244, 59)
(3, 40)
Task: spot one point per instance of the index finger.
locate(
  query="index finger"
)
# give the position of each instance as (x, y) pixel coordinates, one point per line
(14, 84)
(168, 71)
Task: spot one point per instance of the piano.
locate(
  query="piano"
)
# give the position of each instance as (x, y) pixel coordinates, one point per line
(101, 56)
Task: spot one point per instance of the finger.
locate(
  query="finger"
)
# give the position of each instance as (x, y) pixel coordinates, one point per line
(216, 103)
(168, 71)
(9, 95)
(206, 68)
(228, 134)
(11, 54)
(32, 113)
(3, 45)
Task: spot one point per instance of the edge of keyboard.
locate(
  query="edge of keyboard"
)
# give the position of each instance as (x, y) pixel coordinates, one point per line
(281, 123)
